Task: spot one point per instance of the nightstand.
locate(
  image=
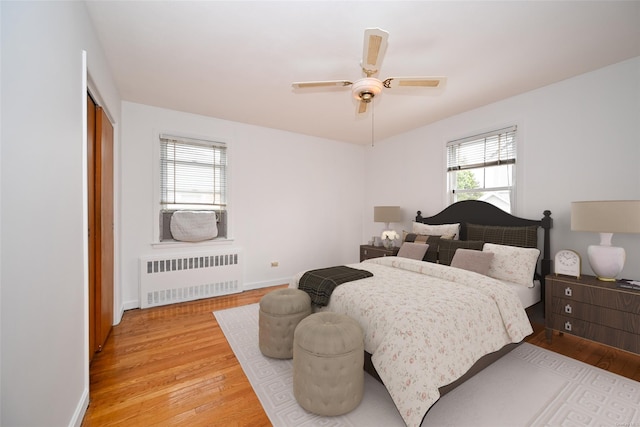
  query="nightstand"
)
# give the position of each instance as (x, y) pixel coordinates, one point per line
(593, 309)
(369, 251)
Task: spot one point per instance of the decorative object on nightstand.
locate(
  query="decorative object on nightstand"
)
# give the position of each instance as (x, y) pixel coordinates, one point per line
(388, 237)
(606, 217)
(634, 285)
(568, 262)
(387, 214)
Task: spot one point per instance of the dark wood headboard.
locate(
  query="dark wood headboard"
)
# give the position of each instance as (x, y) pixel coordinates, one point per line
(483, 213)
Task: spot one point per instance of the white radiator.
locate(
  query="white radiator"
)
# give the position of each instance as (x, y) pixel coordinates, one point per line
(167, 279)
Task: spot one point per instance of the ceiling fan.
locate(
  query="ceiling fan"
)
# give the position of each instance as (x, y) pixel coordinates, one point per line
(365, 89)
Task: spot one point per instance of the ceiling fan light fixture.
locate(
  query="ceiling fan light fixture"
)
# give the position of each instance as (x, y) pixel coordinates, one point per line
(365, 89)
(366, 96)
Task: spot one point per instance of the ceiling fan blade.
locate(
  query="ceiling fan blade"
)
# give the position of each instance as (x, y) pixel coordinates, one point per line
(393, 82)
(327, 83)
(375, 46)
(362, 107)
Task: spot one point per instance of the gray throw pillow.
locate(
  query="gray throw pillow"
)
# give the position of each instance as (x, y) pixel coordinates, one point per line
(413, 250)
(472, 260)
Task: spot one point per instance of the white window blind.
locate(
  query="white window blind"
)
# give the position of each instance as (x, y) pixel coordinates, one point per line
(193, 173)
(489, 149)
(482, 167)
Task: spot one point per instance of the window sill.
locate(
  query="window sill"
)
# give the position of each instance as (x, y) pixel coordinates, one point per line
(206, 243)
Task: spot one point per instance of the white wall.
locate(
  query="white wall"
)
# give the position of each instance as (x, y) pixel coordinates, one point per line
(577, 140)
(44, 359)
(293, 198)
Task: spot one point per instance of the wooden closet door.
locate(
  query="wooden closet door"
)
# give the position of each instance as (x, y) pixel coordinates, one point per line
(91, 141)
(100, 211)
(104, 226)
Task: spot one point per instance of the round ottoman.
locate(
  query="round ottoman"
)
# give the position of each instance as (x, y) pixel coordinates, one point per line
(280, 312)
(328, 364)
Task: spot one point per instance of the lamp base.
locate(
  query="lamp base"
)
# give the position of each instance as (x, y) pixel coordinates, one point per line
(606, 261)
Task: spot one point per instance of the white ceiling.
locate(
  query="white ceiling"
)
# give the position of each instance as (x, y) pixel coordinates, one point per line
(236, 60)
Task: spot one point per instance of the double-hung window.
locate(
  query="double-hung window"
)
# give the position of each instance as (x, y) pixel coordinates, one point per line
(193, 176)
(483, 167)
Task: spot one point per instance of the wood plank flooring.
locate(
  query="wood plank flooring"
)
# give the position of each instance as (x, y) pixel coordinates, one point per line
(170, 366)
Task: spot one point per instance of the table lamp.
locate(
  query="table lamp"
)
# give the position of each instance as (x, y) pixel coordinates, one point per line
(387, 214)
(606, 217)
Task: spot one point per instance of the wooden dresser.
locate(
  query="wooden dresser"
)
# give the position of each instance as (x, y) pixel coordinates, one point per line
(593, 309)
(369, 251)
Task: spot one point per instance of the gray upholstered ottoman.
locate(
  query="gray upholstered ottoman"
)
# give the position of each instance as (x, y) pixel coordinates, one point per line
(328, 364)
(280, 312)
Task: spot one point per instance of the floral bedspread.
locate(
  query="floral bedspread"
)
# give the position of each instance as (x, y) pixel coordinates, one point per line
(426, 324)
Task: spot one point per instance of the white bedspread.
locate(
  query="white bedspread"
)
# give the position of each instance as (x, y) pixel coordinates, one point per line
(426, 324)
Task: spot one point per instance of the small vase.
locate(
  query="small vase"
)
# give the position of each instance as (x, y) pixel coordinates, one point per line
(387, 243)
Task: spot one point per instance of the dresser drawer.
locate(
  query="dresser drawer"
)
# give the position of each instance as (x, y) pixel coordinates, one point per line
(613, 337)
(623, 301)
(625, 321)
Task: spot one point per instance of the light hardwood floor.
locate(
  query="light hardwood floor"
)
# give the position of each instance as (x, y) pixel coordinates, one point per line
(170, 366)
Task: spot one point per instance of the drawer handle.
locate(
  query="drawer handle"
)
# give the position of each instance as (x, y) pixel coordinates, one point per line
(567, 326)
(568, 292)
(568, 309)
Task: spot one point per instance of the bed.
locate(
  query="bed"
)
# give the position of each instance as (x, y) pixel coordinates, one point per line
(429, 326)
(481, 221)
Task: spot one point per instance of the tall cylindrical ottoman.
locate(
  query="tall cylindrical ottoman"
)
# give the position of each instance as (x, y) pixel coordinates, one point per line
(280, 312)
(328, 364)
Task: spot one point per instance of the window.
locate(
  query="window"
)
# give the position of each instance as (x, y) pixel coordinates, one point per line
(193, 176)
(483, 167)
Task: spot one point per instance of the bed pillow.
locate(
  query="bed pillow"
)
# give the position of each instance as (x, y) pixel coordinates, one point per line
(513, 264)
(450, 231)
(526, 236)
(432, 241)
(472, 260)
(413, 250)
(447, 248)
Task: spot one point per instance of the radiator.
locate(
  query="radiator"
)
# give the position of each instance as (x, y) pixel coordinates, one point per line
(168, 279)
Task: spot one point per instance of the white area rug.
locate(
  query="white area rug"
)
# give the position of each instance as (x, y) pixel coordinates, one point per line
(528, 387)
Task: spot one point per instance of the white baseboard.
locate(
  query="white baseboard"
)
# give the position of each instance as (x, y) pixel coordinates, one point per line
(81, 409)
(130, 305)
(267, 284)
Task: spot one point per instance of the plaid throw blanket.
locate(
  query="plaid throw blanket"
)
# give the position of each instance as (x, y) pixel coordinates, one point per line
(319, 284)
